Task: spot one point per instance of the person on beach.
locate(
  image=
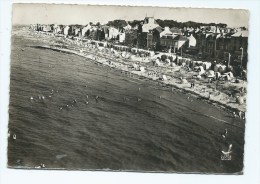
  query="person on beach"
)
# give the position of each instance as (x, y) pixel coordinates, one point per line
(234, 114)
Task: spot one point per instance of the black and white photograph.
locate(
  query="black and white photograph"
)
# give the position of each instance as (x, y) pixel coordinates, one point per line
(128, 88)
(134, 89)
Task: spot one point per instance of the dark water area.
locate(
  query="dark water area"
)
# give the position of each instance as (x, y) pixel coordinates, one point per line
(93, 117)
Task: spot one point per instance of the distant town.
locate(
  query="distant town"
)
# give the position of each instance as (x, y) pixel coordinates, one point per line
(209, 42)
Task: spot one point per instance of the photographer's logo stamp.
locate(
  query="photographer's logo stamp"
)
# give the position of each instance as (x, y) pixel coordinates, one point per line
(226, 155)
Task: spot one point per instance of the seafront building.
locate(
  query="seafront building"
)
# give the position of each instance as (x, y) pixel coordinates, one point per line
(210, 43)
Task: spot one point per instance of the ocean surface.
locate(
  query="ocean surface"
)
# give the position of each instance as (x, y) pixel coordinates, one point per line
(70, 113)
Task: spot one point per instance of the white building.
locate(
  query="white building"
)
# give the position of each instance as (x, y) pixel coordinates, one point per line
(149, 24)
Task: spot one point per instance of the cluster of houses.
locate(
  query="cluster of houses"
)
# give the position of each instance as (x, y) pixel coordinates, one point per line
(211, 43)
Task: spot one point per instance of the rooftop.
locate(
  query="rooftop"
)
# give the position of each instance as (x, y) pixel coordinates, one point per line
(240, 33)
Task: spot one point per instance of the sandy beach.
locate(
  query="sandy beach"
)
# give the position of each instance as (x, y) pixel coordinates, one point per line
(217, 93)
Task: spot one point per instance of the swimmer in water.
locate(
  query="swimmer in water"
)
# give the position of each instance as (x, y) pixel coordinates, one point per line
(14, 136)
(224, 134)
(31, 98)
(97, 98)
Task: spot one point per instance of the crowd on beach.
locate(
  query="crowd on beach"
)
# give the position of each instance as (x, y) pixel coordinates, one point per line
(212, 80)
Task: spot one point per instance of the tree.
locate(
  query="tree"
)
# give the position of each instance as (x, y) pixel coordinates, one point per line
(117, 23)
(98, 24)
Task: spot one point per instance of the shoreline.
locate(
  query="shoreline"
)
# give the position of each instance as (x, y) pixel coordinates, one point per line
(201, 91)
(182, 90)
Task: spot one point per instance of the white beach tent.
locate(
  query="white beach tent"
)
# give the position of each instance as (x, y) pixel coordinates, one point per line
(164, 78)
(157, 62)
(188, 61)
(192, 63)
(136, 67)
(142, 69)
(230, 74)
(210, 74)
(184, 81)
(167, 61)
(206, 65)
(201, 70)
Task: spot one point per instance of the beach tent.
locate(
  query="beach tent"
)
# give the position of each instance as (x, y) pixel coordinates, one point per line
(151, 53)
(132, 57)
(201, 70)
(198, 76)
(216, 67)
(217, 74)
(179, 59)
(240, 100)
(222, 68)
(142, 69)
(210, 74)
(230, 74)
(206, 65)
(188, 61)
(135, 66)
(199, 63)
(196, 69)
(225, 77)
(184, 81)
(157, 62)
(100, 48)
(167, 61)
(163, 77)
(173, 64)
